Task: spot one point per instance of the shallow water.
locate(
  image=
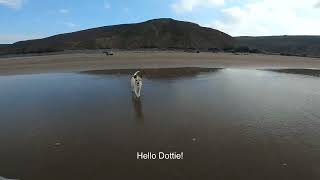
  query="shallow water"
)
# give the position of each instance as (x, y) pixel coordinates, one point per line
(230, 124)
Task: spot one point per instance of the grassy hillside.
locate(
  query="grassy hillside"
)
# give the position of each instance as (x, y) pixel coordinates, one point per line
(285, 45)
(158, 33)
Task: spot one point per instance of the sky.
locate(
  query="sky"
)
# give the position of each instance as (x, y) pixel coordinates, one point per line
(30, 19)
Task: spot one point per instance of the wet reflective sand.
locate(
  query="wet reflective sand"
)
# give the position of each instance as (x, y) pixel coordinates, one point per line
(230, 124)
(307, 72)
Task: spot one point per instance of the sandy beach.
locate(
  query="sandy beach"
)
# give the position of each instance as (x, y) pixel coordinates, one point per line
(177, 90)
(133, 60)
(73, 116)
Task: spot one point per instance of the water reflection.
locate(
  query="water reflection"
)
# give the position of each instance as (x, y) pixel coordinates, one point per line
(237, 122)
(164, 73)
(138, 110)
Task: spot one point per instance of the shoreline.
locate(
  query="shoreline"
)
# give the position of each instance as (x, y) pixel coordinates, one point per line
(79, 62)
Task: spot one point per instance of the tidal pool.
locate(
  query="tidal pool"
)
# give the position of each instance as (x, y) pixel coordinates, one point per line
(229, 124)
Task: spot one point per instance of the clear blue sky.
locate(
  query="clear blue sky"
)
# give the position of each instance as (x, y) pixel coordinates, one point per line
(27, 19)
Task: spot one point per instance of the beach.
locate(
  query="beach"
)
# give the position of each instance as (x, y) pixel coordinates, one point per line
(200, 116)
(77, 62)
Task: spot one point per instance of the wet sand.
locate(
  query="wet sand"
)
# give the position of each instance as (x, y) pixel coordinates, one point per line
(134, 60)
(230, 124)
(73, 116)
(307, 72)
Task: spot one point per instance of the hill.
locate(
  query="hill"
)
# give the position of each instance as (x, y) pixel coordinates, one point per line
(3, 45)
(157, 33)
(284, 45)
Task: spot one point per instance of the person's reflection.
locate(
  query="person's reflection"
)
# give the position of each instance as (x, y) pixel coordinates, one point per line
(137, 106)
